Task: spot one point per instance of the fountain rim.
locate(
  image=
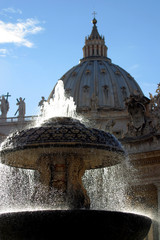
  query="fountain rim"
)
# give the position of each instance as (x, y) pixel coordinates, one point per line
(75, 211)
(63, 145)
(22, 222)
(78, 143)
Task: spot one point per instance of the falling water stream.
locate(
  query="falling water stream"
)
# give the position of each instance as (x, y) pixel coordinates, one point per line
(58, 106)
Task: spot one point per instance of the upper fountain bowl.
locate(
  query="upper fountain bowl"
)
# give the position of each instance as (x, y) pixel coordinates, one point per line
(61, 135)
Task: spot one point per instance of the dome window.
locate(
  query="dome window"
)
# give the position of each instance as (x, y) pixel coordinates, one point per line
(129, 76)
(63, 77)
(105, 89)
(86, 88)
(88, 71)
(117, 73)
(74, 74)
(103, 70)
(109, 61)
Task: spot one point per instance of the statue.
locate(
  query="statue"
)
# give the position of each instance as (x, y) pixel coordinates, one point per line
(109, 125)
(152, 104)
(158, 89)
(155, 101)
(4, 106)
(21, 109)
(41, 103)
(155, 108)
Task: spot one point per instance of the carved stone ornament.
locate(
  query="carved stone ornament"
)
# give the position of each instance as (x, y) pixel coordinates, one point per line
(137, 111)
(140, 123)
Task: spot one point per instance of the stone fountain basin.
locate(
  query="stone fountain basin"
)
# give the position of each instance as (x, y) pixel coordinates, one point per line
(73, 224)
(61, 136)
(91, 156)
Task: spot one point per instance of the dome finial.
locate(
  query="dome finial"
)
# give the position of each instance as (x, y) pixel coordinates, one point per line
(94, 21)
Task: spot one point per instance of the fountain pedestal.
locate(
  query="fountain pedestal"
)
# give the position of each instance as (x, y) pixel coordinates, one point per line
(64, 172)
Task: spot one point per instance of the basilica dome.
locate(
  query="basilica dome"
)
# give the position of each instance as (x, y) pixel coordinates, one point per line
(96, 83)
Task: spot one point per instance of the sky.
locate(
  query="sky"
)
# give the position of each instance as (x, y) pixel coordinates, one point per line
(40, 40)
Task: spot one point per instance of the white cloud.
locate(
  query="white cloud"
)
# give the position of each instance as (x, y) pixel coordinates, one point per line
(17, 32)
(3, 52)
(10, 10)
(135, 66)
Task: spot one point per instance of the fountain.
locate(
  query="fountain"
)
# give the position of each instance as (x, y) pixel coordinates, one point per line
(61, 148)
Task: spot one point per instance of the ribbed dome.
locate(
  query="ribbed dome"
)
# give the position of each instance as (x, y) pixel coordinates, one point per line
(96, 83)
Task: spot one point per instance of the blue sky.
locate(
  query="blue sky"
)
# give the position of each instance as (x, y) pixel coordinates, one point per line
(42, 39)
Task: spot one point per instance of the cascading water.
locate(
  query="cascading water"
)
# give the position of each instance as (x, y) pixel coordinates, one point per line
(20, 191)
(58, 106)
(107, 188)
(16, 188)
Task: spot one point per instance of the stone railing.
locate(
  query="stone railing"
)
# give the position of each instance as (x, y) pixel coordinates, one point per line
(17, 119)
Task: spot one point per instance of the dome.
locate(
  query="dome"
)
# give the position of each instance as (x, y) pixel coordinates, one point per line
(96, 83)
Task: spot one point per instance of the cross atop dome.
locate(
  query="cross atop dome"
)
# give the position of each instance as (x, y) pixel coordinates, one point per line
(94, 21)
(94, 14)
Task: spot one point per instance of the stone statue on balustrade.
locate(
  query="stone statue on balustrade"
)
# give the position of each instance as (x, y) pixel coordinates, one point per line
(4, 107)
(155, 100)
(155, 108)
(41, 103)
(21, 109)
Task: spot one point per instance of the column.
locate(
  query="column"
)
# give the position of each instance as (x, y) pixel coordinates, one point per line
(99, 49)
(86, 51)
(90, 50)
(95, 50)
(103, 51)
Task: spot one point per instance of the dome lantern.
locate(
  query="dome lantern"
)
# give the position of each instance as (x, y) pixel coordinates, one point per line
(94, 44)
